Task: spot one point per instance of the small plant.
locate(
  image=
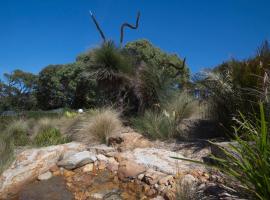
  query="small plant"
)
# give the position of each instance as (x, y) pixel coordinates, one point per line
(186, 190)
(50, 136)
(18, 130)
(101, 124)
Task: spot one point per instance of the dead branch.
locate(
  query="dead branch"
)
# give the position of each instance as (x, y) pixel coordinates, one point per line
(98, 27)
(129, 26)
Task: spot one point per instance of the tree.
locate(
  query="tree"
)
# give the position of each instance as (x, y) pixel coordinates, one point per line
(17, 92)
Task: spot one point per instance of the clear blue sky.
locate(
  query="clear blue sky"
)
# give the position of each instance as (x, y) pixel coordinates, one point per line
(36, 33)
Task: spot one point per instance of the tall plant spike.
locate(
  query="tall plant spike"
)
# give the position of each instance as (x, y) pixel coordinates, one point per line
(129, 26)
(98, 27)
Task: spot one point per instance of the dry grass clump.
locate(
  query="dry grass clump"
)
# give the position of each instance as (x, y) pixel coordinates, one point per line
(98, 125)
(6, 150)
(186, 189)
(19, 131)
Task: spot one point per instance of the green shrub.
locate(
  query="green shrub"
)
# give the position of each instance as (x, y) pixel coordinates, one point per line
(18, 130)
(50, 136)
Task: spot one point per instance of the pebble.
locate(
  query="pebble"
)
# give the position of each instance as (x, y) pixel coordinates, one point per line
(45, 176)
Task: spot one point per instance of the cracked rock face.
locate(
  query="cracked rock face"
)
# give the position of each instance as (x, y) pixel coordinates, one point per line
(160, 160)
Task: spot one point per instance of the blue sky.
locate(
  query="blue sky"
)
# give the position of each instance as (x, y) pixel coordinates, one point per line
(36, 33)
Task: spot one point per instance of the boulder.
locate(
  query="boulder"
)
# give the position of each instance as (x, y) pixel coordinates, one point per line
(77, 160)
(102, 149)
(160, 160)
(29, 164)
(129, 141)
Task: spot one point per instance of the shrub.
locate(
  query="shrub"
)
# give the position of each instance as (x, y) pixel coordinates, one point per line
(50, 136)
(99, 125)
(18, 130)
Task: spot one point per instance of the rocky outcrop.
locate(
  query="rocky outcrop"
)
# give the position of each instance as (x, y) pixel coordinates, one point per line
(29, 164)
(160, 160)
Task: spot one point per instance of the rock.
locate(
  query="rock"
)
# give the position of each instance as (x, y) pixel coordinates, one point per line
(158, 198)
(45, 176)
(102, 165)
(77, 160)
(54, 168)
(129, 169)
(102, 149)
(67, 173)
(140, 176)
(129, 141)
(52, 189)
(160, 160)
(166, 180)
(151, 176)
(31, 163)
(101, 157)
(88, 168)
(112, 165)
(97, 196)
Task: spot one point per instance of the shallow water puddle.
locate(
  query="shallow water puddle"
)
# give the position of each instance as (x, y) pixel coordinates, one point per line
(82, 186)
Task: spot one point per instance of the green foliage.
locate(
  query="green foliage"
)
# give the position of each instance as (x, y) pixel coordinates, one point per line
(64, 86)
(50, 136)
(17, 91)
(154, 125)
(252, 165)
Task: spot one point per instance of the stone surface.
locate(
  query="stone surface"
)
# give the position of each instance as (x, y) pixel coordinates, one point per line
(88, 168)
(102, 149)
(77, 160)
(160, 160)
(31, 163)
(129, 169)
(188, 179)
(52, 189)
(151, 176)
(129, 141)
(45, 176)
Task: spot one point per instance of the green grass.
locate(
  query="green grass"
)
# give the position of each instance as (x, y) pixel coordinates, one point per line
(6, 151)
(50, 136)
(164, 122)
(154, 125)
(18, 130)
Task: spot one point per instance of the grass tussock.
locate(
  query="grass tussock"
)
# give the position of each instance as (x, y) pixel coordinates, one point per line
(18, 130)
(6, 150)
(186, 190)
(164, 123)
(99, 124)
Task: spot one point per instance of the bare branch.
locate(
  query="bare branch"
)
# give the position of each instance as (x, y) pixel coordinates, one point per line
(129, 26)
(98, 27)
